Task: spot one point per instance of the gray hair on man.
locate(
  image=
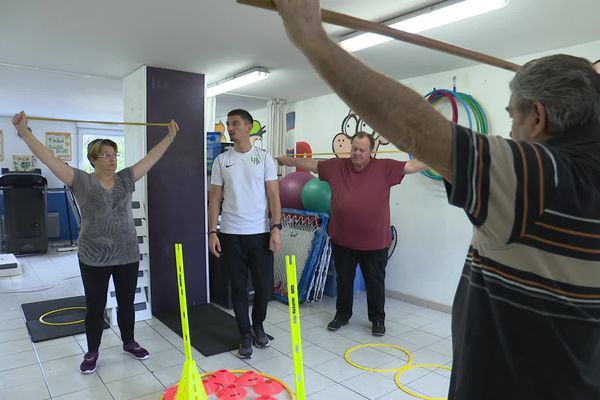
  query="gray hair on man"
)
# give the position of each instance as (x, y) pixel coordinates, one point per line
(567, 86)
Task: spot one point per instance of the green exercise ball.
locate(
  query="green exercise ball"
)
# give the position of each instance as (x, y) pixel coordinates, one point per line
(316, 196)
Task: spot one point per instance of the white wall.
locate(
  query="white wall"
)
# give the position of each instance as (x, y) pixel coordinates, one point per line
(14, 145)
(433, 236)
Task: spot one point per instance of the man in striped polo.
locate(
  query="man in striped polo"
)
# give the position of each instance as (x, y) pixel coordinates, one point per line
(526, 316)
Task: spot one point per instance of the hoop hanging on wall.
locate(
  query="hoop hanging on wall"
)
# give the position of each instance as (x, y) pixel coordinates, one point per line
(472, 109)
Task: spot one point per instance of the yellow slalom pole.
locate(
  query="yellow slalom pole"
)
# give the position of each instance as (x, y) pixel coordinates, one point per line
(190, 384)
(292, 287)
(97, 122)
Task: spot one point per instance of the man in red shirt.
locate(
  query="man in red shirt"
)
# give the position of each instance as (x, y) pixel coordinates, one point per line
(360, 221)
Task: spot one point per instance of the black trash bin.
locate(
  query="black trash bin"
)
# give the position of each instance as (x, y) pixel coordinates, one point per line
(25, 212)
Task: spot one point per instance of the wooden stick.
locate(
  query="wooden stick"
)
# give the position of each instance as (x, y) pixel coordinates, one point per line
(97, 122)
(362, 25)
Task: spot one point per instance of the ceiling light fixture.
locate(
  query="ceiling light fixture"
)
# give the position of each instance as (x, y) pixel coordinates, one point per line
(237, 81)
(428, 18)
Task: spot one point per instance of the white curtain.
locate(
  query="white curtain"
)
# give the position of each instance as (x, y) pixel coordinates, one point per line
(276, 127)
(210, 107)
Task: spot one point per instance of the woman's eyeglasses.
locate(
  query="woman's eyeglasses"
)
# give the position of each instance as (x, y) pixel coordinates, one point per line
(110, 156)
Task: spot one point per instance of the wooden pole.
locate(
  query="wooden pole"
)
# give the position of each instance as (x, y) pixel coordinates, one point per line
(362, 25)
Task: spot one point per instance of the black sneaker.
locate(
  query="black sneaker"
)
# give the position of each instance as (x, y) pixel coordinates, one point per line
(336, 324)
(245, 349)
(260, 337)
(378, 328)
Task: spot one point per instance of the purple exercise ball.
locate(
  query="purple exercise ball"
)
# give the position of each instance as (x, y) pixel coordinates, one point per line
(290, 189)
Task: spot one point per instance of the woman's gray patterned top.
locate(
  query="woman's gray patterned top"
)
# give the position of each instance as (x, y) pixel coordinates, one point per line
(107, 235)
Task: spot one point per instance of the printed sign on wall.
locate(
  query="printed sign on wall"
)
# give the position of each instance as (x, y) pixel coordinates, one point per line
(60, 144)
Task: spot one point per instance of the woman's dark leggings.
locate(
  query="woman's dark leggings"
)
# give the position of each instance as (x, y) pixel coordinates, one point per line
(95, 284)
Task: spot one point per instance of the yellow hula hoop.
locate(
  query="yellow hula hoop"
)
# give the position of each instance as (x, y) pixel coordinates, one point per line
(271, 377)
(413, 366)
(41, 318)
(357, 365)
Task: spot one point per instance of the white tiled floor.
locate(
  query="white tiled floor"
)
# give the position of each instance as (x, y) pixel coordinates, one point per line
(49, 370)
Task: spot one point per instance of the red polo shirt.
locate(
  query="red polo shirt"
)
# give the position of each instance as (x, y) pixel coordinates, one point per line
(360, 201)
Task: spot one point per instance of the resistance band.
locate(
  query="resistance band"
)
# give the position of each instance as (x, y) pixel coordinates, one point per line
(98, 122)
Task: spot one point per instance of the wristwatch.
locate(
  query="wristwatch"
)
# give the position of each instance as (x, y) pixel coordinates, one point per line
(278, 226)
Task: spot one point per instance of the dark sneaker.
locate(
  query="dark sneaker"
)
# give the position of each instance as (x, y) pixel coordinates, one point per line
(336, 324)
(245, 349)
(136, 350)
(378, 328)
(260, 337)
(88, 365)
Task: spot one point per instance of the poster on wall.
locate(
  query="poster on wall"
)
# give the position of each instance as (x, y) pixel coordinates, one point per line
(1, 146)
(290, 120)
(60, 144)
(23, 162)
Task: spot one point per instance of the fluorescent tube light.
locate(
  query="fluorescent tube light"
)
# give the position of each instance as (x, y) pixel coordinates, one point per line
(237, 81)
(428, 18)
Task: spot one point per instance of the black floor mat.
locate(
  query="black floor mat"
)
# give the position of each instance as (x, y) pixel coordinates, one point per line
(40, 331)
(212, 330)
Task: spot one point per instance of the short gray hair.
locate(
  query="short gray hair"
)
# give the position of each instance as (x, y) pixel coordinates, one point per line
(363, 134)
(567, 86)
